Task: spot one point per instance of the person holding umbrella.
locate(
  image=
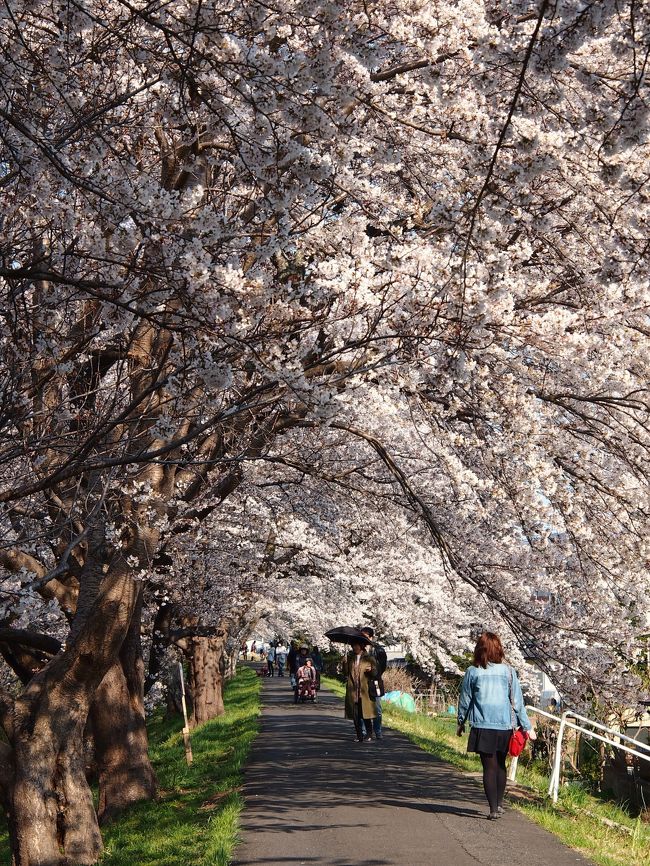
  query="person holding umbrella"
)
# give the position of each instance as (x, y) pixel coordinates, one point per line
(360, 668)
(378, 653)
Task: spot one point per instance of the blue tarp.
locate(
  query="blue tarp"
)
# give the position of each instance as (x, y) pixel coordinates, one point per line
(400, 699)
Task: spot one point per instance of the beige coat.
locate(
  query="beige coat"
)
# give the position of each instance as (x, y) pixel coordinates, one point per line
(357, 685)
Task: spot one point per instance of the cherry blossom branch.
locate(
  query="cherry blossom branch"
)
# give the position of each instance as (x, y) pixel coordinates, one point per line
(511, 110)
(400, 69)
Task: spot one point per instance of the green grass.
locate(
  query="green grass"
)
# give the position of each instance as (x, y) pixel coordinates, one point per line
(579, 817)
(5, 853)
(196, 817)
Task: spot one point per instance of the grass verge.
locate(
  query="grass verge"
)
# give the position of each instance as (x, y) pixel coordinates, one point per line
(5, 853)
(196, 817)
(581, 820)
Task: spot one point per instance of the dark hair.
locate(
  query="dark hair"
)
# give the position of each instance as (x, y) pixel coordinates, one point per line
(488, 649)
(369, 631)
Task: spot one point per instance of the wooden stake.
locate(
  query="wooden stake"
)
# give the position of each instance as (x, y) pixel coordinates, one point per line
(186, 730)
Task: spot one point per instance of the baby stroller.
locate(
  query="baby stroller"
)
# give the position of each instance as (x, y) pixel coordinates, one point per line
(306, 687)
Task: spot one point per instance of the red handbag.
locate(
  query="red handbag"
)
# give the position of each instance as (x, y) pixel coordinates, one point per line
(518, 737)
(517, 743)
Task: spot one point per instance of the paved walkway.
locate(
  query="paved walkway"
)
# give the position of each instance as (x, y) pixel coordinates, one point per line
(315, 797)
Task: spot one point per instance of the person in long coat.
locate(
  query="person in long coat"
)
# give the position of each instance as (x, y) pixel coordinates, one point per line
(360, 668)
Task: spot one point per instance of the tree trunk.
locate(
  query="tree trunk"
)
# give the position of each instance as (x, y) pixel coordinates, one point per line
(52, 810)
(231, 663)
(81, 838)
(52, 803)
(117, 717)
(207, 663)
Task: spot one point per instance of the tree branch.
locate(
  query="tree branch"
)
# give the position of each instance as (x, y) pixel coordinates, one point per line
(31, 639)
(394, 71)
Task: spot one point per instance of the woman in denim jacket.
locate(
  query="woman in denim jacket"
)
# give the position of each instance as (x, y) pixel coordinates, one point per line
(485, 702)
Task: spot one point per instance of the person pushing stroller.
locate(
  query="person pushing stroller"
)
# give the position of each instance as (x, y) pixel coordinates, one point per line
(306, 682)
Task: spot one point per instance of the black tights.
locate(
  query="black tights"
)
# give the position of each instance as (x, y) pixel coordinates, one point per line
(494, 777)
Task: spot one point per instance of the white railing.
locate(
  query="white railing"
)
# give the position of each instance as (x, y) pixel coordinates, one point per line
(641, 750)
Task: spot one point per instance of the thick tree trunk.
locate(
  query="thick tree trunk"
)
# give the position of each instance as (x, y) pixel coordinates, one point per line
(117, 716)
(207, 663)
(125, 774)
(52, 803)
(81, 838)
(53, 815)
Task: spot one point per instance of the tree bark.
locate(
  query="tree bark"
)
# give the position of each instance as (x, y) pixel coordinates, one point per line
(207, 665)
(231, 663)
(52, 803)
(52, 810)
(80, 838)
(117, 718)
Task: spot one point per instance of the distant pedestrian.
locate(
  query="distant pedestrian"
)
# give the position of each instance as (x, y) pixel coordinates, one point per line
(317, 660)
(485, 702)
(281, 659)
(554, 707)
(379, 654)
(301, 656)
(359, 668)
(292, 655)
(253, 648)
(270, 659)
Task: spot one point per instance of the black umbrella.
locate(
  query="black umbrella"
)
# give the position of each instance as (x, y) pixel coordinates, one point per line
(347, 634)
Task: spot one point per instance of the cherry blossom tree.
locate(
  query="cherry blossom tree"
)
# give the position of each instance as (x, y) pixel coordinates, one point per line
(360, 548)
(420, 228)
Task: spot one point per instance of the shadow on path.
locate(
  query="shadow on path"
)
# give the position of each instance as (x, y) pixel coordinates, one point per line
(314, 796)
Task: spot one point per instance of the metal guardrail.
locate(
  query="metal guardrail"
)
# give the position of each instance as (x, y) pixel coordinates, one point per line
(564, 723)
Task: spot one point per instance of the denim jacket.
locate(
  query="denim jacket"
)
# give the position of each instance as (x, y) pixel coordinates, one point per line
(485, 698)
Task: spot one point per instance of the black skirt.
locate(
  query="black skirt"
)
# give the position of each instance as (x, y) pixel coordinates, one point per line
(488, 741)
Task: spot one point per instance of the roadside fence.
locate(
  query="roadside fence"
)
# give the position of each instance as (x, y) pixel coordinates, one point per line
(436, 701)
(570, 721)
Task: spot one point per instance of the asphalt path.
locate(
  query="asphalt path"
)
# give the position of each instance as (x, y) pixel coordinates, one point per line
(315, 797)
